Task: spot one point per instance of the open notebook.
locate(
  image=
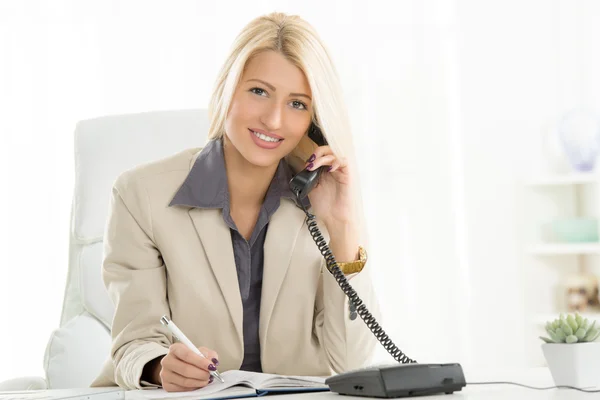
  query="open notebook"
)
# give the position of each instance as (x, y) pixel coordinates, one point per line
(239, 384)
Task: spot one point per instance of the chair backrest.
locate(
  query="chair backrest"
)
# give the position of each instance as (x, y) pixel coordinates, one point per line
(104, 147)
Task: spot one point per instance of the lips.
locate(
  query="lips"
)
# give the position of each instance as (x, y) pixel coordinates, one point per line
(274, 136)
(262, 143)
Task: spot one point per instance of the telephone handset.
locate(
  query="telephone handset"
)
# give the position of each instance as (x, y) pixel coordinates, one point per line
(306, 180)
(390, 381)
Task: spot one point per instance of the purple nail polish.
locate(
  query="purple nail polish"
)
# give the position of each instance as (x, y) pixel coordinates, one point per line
(310, 166)
(212, 367)
(215, 361)
(211, 379)
(329, 169)
(312, 158)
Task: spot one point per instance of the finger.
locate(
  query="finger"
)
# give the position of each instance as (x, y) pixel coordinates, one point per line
(184, 354)
(182, 381)
(319, 162)
(340, 164)
(210, 354)
(319, 152)
(184, 369)
(336, 164)
(171, 387)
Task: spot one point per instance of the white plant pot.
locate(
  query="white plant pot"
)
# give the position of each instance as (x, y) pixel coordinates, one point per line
(576, 364)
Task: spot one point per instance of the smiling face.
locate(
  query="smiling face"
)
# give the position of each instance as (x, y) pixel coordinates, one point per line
(270, 110)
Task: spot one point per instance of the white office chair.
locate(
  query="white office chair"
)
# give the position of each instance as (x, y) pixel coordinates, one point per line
(104, 147)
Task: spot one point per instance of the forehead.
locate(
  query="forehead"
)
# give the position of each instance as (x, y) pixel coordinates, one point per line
(274, 68)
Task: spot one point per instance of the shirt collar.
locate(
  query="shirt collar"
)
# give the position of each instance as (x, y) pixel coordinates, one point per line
(206, 184)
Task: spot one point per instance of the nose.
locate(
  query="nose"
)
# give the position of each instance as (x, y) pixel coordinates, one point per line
(272, 117)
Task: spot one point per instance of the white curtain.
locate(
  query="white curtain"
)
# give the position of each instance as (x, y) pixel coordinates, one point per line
(413, 165)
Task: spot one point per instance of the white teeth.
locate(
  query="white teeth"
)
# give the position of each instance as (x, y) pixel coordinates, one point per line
(265, 137)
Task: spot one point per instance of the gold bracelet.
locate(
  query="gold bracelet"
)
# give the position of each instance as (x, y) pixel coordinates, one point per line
(354, 266)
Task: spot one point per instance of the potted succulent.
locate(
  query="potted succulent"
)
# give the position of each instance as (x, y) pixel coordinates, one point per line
(571, 351)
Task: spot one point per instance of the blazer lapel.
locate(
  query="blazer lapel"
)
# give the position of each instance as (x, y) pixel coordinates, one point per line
(284, 227)
(216, 240)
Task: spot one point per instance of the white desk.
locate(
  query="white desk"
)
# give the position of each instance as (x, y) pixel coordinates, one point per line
(539, 377)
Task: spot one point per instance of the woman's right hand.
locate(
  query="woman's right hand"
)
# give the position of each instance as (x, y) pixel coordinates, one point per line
(182, 370)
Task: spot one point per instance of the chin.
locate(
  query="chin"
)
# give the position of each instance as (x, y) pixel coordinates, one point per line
(260, 160)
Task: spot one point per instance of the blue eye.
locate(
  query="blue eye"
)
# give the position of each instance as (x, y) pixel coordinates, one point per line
(301, 103)
(298, 105)
(257, 88)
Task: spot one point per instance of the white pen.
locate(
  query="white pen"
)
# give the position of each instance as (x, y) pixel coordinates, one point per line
(182, 338)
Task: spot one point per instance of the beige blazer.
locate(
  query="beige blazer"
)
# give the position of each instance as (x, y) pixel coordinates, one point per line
(179, 261)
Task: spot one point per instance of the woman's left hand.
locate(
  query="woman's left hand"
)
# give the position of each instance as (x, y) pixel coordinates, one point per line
(332, 199)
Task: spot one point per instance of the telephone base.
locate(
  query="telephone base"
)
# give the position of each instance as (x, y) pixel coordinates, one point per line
(402, 380)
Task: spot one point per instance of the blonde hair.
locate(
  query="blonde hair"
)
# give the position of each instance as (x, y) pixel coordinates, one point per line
(298, 41)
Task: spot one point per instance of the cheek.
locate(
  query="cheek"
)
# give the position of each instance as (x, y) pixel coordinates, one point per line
(242, 113)
(236, 119)
(236, 113)
(298, 133)
(295, 140)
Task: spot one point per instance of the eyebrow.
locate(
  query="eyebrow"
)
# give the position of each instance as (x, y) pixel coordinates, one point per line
(273, 88)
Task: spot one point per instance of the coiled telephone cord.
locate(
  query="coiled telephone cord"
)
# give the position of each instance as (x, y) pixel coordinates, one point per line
(355, 300)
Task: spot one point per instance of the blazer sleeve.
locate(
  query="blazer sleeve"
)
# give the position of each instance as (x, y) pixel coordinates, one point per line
(349, 344)
(135, 277)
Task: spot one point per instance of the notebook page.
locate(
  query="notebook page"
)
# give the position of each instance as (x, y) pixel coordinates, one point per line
(231, 378)
(261, 380)
(269, 381)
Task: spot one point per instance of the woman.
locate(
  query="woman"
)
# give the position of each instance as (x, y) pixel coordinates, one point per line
(215, 238)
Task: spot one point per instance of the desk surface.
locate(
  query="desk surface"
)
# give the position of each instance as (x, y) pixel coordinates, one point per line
(538, 377)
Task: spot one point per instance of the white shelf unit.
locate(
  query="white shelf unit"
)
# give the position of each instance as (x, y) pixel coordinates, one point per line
(549, 263)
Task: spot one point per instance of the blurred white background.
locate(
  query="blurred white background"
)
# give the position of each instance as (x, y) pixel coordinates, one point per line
(448, 101)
